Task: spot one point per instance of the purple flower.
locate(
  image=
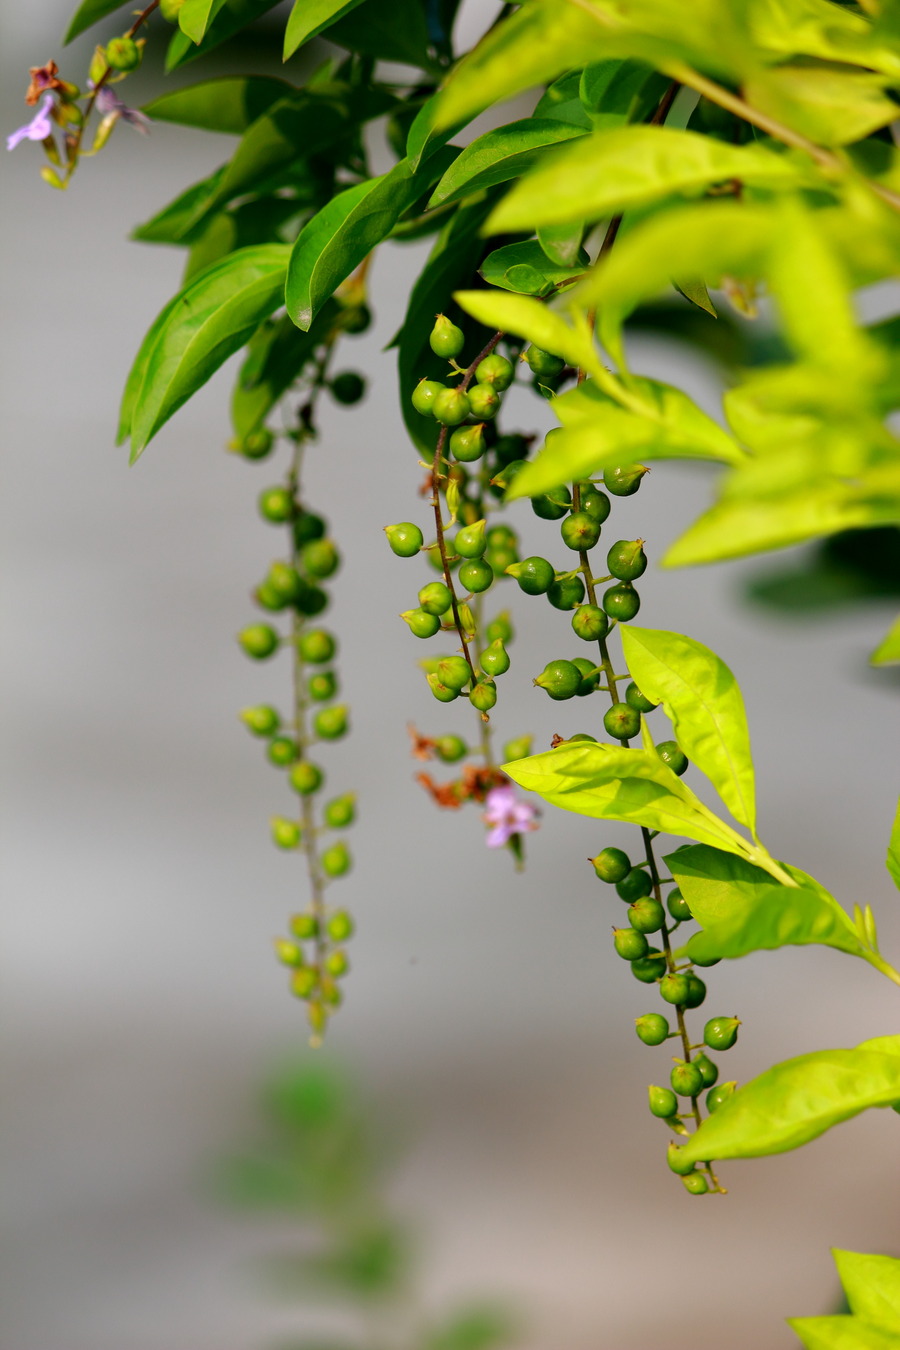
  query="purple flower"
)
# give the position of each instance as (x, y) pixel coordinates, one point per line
(38, 129)
(508, 815)
(109, 104)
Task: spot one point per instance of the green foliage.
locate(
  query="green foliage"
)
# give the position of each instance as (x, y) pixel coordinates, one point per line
(195, 17)
(500, 155)
(229, 103)
(87, 14)
(307, 19)
(231, 18)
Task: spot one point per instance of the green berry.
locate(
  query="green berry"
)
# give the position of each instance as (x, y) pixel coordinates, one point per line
(677, 906)
(288, 953)
(356, 319)
(340, 811)
(674, 989)
(554, 505)
(621, 602)
(445, 338)
(316, 646)
(420, 624)
(650, 967)
(635, 885)
(534, 575)
(500, 559)
(262, 720)
(646, 915)
(304, 926)
(686, 1080)
(285, 833)
(706, 960)
(566, 594)
(337, 964)
(276, 505)
(495, 370)
(340, 926)
(348, 387)
(435, 598)
(322, 686)
(282, 751)
(267, 597)
(336, 860)
(453, 671)
(483, 696)
(718, 1095)
(580, 531)
(468, 443)
(435, 559)
(595, 503)
(624, 480)
(670, 753)
(259, 640)
(720, 1033)
(627, 559)
(519, 748)
(450, 407)
(500, 629)
(544, 364)
(169, 9)
(449, 749)
(304, 981)
(695, 1183)
(476, 575)
(663, 1102)
(630, 944)
(494, 660)
(590, 675)
(471, 541)
(509, 449)
(306, 778)
(320, 558)
(484, 401)
(331, 723)
(708, 1070)
(123, 53)
(561, 679)
(405, 539)
(256, 444)
(502, 480)
(312, 602)
(680, 1166)
(308, 526)
(424, 394)
(444, 693)
(652, 1029)
(590, 623)
(611, 865)
(622, 721)
(285, 581)
(635, 699)
(696, 991)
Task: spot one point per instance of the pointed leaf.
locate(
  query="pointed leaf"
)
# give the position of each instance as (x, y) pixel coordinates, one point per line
(530, 319)
(887, 653)
(526, 269)
(228, 103)
(500, 155)
(893, 853)
(235, 15)
(195, 16)
(872, 1286)
(172, 225)
(276, 357)
(139, 369)
(562, 243)
(830, 106)
(390, 32)
(310, 17)
(841, 1332)
(88, 13)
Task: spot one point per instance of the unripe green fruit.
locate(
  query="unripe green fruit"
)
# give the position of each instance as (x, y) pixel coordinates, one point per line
(424, 394)
(420, 624)
(435, 598)
(285, 581)
(320, 558)
(624, 480)
(695, 1183)
(306, 778)
(709, 1071)
(444, 693)
(484, 401)
(621, 602)
(471, 541)
(495, 370)
(622, 721)
(304, 981)
(169, 9)
(268, 598)
(123, 53)
(703, 961)
(519, 748)
(450, 407)
(468, 443)
(262, 720)
(566, 594)
(316, 646)
(259, 641)
(501, 559)
(635, 885)
(276, 505)
(453, 671)
(483, 696)
(652, 1029)
(635, 699)
(405, 539)
(256, 444)
(340, 926)
(627, 559)
(509, 449)
(322, 686)
(686, 1080)
(288, 953)
(680, 1166)
(340, 811)
(282, 751)
(476, 575)
(696, 991)
(308, 526)
(311, 602)
(674, 989)
(304, 926)
(336, 860)
(663, 1102)
(630, 944)
(544, 364)
(720, 1033)
(330, 993)
(507, 475)
(611, 864)
(347, 387)
(590, 623)
(718, 1095)
(554, 505)
(332, 723)
(356, 319)
(580, 531)
(337, 964)
(595, 503)
(435, 560)
(646, 915)
(534, 575)
(494, 660)
(500, 628)
(561, 679)
(677, 906)
(449, 749)
(445, 338)
(285, 833)
(649, 968)
(590, 675)
(670, 753)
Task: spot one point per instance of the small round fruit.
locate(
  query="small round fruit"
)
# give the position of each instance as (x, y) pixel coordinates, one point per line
(320, 558)
(483, 696)
(590, 675)
(594, 502)
(554, 505)
(695, 1183)
(720, 1033)
(259, 640)
(500, 629)
(453, 671)
(308, 526)
(276, 505)
(708, 1070)
(646, 915)
(347, 387)
(580, 531)
(337, 964)
(696, 991)
(282, 751)
(262, 720)
(495, 370)
(286, 582)
(680, 1166)
(507, 475)
(256, 444)
(450, 749)
(494, 660)
(285, 833)
(518, 748)
(288, 953)
(544, 364)
(649, 968)
(123, 53)
(304, 926)
(340, 926)
(635, 699)
(686, 1080)
(467, 443)
(316, 646)
(405, 539)
(421, 624)
(340, 811)
(630, 944)
(718, 1095)
(706, 960)
(332, 723)
(476, 575)
(435, 598)
(336, 860)
(652, 1029)
(304, 981)
(677, 905)
(635, 885)
(484, 401)
(621, 602)
(433, 557)
(561, 679)
(590, 623)
(322, 686)
(670, 753)
(306, 777)
(624, 480)
(567, 593)
(622, 721)
(534, 575)
(674, 989)
(450, 407)
(424, 394)
(663, 1102)
(627, 559)
(445, 338)
(471, 540)
(509, 449)
(444, 693)
(611, 864)
(356, 319)
(169, 9)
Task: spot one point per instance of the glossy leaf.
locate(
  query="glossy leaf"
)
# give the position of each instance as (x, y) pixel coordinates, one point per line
(341, 235)
(794, 1102)
(234, 16)
(390, 32)
(887, 653)
(173, 223)
(310, 17)
(872, 1286)
(215, 314)
(87, 14)
(500, 155)
(893, 853)
(258, 221)
(562, 243)
(561, 101)
(741, 909)
(526, 269)
(536, 323)
(830, 106)
(195, 16)
(139, 369)
(276, 356)
(820, 30)
(703, 702)
(425, 136)
(229, 103)
(616, 92)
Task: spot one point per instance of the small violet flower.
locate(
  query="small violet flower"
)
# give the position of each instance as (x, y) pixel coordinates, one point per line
(508, 815)
(109, 105)
(38, 129)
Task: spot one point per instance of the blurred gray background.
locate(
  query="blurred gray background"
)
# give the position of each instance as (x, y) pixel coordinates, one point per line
(487, 1016)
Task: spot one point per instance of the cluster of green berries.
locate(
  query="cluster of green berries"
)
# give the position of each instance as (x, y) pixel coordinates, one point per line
(452, 405)
(317, 958)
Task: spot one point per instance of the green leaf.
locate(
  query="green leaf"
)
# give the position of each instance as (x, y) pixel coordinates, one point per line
(831, 106)
(616, 92)
(258, 221)
(703, 702)
(341, 235)
(234, 16)
(425, 136)
(631, 167)
(562, 243)
(893, 853)
(561, 101)
(173, 223)
(872, 1286)
(139, 369)
(390, 32)
(195, 16)
(533, 321)
(229, 103)
(887, 653)
(276, 356)
(310, 17)
(817, 28)
(482, 1328)
(696, 292)
(526, 269)
(794, 1102)
(500, 155)
(741, 909)
(215, 314)
(841, 1332)
(87, 14)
